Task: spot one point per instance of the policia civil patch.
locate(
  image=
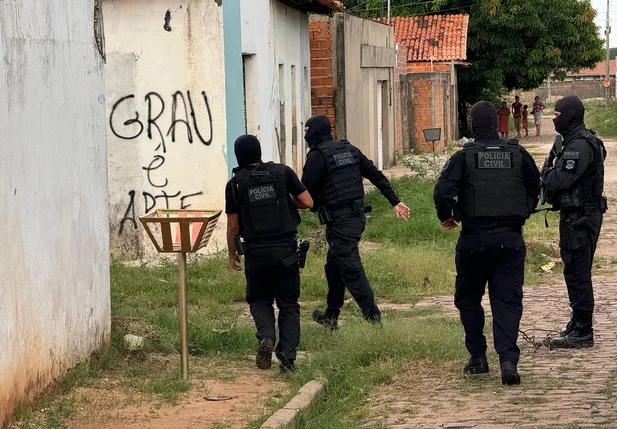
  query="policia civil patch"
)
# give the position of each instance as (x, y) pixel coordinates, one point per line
(570, 161)
(343, 159)
(494, 160)
(261, 193)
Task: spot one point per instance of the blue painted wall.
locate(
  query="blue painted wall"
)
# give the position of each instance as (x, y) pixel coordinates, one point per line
(234, 87)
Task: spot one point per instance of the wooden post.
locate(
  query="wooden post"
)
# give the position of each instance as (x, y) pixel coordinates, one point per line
(182, 305)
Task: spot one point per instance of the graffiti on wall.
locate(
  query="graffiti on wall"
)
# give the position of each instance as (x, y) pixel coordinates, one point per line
(184, 114)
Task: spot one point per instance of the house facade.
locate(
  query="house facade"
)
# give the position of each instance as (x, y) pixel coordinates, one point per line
(352, 81)
(184, 79)
(435, 45)
(277, 66)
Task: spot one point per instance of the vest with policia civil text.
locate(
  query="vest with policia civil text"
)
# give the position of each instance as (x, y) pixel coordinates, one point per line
(588, 189)
(344, 181)
(493, 185)
(265, 208)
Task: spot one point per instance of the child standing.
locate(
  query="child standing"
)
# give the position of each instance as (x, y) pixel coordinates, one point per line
(526, 120)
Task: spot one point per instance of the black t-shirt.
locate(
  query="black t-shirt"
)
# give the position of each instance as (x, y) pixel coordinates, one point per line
(293, 183)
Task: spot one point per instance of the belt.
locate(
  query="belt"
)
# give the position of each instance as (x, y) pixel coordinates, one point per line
(342, 212)
(518, 230)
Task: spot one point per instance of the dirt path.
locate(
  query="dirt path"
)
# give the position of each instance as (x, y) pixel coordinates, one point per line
(560, 389)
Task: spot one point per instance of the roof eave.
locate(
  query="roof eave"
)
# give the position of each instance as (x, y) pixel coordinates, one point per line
(322, 7)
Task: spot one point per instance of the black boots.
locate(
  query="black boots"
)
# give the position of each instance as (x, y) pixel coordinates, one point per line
(264, 354)
(476, 365)
(328, 320)
(479, 365)
(286, 365)
(509, 374)
(580, 336)
(578, 333)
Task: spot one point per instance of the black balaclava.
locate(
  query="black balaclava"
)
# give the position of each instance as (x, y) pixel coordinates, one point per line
(248, 150)
(572, 115)
(484, 121)
(319, 130)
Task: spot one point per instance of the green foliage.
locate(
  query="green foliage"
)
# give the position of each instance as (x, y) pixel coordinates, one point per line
(512, 43)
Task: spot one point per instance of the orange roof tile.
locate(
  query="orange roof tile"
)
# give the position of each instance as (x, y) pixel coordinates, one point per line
(599, 70)
(436, 37)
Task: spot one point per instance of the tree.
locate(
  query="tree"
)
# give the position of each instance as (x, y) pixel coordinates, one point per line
(512, 43)
(613, 53)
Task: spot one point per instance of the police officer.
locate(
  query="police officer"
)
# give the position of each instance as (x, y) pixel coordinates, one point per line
(577, 183)
(261, 206)
(333, 175)
(497, 185)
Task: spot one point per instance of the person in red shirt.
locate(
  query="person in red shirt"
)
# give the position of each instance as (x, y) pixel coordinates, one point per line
(517, 112)
(504, 118)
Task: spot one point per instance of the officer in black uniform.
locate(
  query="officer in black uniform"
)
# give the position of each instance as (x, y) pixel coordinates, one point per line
(261, 205)
(333, 175)
(497, 185)
(577, 183)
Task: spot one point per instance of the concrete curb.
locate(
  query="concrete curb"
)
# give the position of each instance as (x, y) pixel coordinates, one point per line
(302, 403)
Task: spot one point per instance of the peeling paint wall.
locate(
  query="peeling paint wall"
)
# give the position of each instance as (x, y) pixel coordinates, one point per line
(166, 124)
(275, 38)
(54, 263)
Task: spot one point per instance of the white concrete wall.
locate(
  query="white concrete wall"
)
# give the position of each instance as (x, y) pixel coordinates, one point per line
(152, 64)
(54, 263)
(361, 87)
(276, 35)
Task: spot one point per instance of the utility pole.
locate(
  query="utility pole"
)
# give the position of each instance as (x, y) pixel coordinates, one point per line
(388, 12)
(607, 32)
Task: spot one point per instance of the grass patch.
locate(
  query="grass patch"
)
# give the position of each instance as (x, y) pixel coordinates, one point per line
(358, 357)
(601, 119)
(528, 400)
(610, 388)
(415, 260)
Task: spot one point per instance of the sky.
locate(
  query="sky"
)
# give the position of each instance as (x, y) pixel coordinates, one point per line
(600, 6)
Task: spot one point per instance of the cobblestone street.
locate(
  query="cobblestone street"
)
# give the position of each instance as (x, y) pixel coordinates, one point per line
(560, 388)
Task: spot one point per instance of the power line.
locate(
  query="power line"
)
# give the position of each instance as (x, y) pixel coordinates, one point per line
(417, 3)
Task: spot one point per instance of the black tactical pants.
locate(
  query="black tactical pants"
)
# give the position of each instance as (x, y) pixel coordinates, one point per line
(344, 267)
(273, 274)
(499, 260)
(578, 245)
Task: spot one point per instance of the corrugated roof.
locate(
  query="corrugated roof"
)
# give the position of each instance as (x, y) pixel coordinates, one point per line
(433, 37)
(598, 70)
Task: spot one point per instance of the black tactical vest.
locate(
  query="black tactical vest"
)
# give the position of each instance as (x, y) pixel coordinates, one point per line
(265, 208)
(493, 185)
(344, 180)
(588, 189)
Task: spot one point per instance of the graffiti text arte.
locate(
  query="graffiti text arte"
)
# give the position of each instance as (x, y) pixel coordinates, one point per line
(184, 113)
(167, 200)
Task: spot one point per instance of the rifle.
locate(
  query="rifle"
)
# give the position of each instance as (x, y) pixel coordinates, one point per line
(545, 196)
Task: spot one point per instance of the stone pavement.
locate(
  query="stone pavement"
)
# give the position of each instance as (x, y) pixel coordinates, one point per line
(560, 388)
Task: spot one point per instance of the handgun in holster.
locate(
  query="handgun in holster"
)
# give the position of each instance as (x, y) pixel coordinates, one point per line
(240, 247)
(303, 248)
(324, 215)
